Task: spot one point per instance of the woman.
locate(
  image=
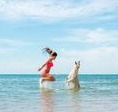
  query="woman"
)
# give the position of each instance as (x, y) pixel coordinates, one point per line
(46, 67)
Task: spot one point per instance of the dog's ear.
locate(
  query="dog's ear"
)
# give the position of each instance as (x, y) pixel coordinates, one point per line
(75, 62)
(78, 63)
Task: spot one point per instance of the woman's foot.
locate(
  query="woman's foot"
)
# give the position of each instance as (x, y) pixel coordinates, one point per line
(42, 80)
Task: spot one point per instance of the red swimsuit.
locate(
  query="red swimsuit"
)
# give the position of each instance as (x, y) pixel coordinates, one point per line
(49, 64)
(45, 71)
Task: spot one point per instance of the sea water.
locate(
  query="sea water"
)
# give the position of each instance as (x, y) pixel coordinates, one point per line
(22, 93)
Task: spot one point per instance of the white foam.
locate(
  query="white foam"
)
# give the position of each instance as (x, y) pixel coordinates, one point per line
(45, 84)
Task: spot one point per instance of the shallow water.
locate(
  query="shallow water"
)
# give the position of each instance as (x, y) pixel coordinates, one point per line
(21, 93)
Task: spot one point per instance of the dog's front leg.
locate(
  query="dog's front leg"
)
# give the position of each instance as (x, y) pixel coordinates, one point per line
(70, 80)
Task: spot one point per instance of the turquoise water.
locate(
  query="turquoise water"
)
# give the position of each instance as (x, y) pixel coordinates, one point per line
(21, 93)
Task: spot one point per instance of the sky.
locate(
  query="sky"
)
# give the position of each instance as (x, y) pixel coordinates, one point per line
(85, 30)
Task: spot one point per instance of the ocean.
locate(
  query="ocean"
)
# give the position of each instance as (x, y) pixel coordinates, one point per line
(21, 93)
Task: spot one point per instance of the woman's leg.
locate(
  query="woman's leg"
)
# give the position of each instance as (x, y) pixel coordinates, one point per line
(48, 78)
(51, 77)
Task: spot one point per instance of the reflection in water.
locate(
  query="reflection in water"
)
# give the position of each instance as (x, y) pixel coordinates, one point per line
(47, 101)
(54, 102)
(73, 101)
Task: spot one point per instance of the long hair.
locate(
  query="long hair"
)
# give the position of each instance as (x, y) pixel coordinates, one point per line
(49, 51)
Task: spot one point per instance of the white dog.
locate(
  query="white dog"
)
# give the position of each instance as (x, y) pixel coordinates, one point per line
(72, 78)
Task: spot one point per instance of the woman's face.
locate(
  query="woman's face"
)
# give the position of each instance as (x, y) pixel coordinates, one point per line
(53, 57)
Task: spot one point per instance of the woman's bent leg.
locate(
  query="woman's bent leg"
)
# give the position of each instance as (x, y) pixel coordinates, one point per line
(52, 78)
(48, 78)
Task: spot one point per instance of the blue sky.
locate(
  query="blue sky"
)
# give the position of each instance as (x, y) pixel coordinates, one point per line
(85, 30)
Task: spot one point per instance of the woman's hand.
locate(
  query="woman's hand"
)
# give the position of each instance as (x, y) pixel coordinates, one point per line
(39, 69)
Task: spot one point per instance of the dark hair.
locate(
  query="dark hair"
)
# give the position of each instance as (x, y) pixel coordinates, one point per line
(49, 51)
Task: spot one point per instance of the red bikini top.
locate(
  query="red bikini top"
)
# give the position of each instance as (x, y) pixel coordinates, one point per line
(49, 64)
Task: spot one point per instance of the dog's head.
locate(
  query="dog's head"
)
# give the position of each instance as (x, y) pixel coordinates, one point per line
(77, 65)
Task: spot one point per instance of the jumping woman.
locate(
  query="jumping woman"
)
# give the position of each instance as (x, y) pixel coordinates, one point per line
(46, 67)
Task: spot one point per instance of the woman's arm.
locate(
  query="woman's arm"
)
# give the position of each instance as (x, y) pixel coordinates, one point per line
(40, 68)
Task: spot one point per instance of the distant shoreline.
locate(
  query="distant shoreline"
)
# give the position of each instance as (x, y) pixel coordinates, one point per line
(56, 74)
